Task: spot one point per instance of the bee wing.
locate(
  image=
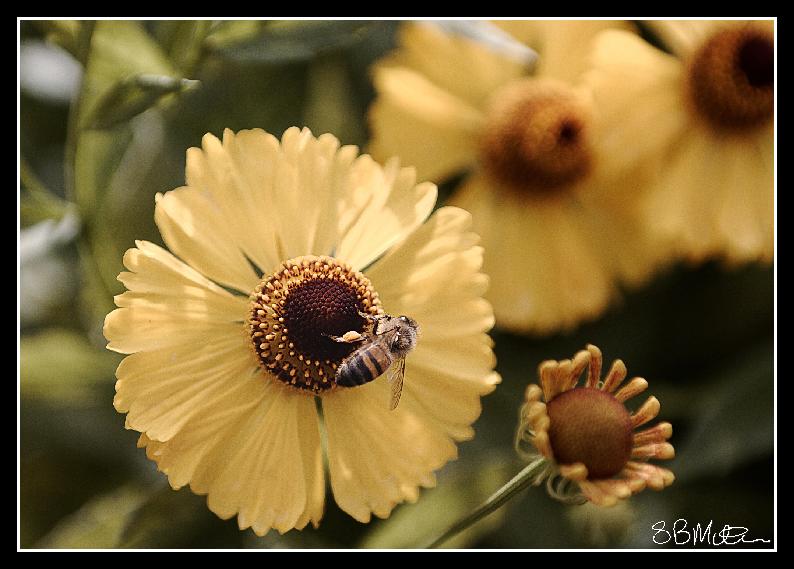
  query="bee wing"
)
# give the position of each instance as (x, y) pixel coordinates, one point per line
(395, 376)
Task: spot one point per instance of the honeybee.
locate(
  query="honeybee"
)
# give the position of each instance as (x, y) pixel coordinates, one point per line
(385, 343)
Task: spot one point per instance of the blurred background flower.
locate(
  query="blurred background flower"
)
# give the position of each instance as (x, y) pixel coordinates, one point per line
(106, 128)
(704, 113)
(560, 230)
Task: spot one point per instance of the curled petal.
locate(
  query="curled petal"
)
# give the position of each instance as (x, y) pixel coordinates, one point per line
(615, 377)
(549, 379)
(532, 393)
(633, 388)
(577, 471)
(647, 412)
(656, 477)
(656, 434)
(654, 450)
(594, 371)
(597, 495)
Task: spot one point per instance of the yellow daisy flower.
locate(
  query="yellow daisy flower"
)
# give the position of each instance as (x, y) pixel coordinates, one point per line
(587, 433)
(282, 253)
(707, 113)
(559, 229)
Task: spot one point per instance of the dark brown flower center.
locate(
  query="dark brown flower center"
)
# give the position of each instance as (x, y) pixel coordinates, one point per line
(592, 427)
(756, 61)
(732, 78)
(296, 310)
(536, 141)
(316, 309)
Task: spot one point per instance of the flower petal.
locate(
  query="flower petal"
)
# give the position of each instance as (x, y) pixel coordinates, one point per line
(683, 37)
(681, 204)
(547, 274)
(215, 223)
(262, 461)
(236, 176)
(193, 227)
(181, 455)
(466, 68)
(168, 303)
(161, 390)
(433, 276)
(633, 388)
(639, 102)
(133, 330)
(272, 438)
(311, 178)
(425, 126)
(576, 471)
(745, 212)
(453, 403)
(383, 205)
(656, 477)
(563, 45)
(656, 434)
(596, 494)
(379, 458)
(434, 269)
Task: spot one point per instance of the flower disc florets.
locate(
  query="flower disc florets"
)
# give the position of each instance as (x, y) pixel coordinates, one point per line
(296, 310)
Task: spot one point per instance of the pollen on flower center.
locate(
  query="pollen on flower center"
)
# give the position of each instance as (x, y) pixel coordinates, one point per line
(296, 310)
(731, 78)
(592, 427)
(536, 138)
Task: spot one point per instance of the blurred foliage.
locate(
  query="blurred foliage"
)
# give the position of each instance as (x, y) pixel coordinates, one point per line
(89, 171)
(185, 516)
(296, 41)
(62, 367)
(462, 489)
(98, 524)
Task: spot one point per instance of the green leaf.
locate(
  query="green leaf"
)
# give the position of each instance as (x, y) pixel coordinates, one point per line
(294, 40)
(132, 96)
(119, 50)
(32, 212)
(463, 488)
(124, 75)
(98, 524)
(226, 33)
(183, 41)
(62, 367)
(72, 35)
(38, 202)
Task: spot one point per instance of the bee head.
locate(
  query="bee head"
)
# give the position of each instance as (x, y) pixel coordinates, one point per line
(405, 338)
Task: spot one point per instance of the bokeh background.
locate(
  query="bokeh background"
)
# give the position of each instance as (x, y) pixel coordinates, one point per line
(95, 147)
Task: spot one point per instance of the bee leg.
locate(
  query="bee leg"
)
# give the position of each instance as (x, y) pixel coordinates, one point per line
(347, 338)
(374, 317)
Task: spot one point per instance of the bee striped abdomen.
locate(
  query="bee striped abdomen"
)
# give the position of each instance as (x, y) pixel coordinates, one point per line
(363, 365)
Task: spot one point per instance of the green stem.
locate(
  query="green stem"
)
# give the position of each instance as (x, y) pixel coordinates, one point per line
(521, 480)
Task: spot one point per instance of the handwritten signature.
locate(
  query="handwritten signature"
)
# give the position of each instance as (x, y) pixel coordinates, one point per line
(682, 534)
